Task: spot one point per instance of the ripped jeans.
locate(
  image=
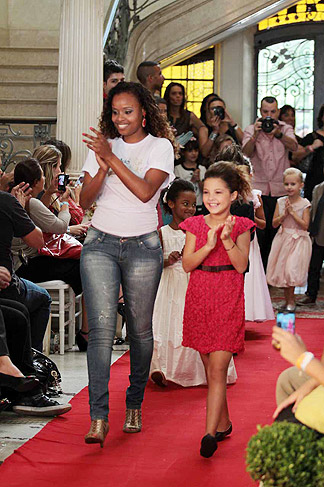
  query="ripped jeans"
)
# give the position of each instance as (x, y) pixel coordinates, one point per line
(106, 262)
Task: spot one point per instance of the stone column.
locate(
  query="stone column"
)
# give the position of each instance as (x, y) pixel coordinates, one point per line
(238, 83)
(79, 102)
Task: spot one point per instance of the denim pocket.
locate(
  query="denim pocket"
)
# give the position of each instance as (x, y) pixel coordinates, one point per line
(93, 237)
(151, 241)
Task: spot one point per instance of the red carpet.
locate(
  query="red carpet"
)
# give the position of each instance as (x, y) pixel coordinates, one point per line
(166, 453)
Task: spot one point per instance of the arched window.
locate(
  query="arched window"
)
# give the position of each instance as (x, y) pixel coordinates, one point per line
(290, 61)
(196, 74)
(286, 71)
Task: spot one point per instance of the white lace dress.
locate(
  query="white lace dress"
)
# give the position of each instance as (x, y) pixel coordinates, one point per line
(258, 306)
(179, 364)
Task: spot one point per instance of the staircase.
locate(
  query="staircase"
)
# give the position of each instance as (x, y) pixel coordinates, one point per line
(28, 89)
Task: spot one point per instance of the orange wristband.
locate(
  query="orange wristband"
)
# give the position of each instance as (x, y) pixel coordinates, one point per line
(300, 360)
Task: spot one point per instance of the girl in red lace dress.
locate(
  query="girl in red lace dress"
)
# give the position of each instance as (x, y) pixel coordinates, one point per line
(216, 253)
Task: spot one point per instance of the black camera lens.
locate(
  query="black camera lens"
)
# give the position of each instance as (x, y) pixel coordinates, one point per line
(267, 124)
(219, 112)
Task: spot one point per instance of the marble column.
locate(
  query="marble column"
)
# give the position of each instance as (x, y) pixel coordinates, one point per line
(237, 84)
(79, 102)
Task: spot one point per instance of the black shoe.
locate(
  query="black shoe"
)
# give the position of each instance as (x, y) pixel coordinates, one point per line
(19, 384)
(40, 405)
(220, 435)
(306, 301)
(208, 446)
(81, 341)
(159, 378)
(120, 344)
(4, 404)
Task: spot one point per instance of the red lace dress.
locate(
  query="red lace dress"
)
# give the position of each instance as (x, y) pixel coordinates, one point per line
(214, 309)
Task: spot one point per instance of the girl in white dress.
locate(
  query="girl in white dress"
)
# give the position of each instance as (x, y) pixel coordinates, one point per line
(171, 361)
(258, 306)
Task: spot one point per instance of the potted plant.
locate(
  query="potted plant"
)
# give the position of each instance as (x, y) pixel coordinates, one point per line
(286, 455)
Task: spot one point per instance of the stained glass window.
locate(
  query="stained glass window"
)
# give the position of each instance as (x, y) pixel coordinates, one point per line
(303, 11)
(197, 78)
(286, 71)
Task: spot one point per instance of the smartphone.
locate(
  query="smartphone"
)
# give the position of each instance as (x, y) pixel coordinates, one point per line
(63, 180)
(286, 321)
(80, 179)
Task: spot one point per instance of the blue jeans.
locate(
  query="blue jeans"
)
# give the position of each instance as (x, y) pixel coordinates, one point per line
(106, 262)
(38, 302)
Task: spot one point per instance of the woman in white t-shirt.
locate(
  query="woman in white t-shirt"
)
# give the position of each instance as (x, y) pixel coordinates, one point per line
(124, 175)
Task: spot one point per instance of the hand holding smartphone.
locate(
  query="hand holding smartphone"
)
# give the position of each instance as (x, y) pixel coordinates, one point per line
(63, 180)
(285, 321)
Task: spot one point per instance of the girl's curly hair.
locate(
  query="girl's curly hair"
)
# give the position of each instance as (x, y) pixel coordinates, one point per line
(233, 176)
(156, 125)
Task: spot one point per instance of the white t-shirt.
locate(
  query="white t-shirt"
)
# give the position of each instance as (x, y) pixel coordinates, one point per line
(184, 173)
(119, 212)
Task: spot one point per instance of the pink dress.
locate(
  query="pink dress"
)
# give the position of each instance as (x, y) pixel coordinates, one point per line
(291, 249)
(214, 309)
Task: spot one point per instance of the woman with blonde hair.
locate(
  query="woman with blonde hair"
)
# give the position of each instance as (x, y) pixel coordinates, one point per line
(50, 158)
(39, 268)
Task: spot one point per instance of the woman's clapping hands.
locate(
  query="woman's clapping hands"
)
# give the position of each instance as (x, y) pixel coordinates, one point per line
(101, 147)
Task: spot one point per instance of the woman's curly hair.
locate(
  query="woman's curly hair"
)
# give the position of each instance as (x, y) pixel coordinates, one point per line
(233, 176)
(156, 125)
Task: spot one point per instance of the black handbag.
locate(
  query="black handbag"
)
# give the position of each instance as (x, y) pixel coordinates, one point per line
(47, 373)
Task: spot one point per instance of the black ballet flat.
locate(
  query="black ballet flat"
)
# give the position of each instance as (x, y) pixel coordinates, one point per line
(221, 435)
(19, 384)
(208, 446)
(4, 404)
(81, 341)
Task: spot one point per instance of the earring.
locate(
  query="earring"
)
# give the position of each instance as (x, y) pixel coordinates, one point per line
(144, 122)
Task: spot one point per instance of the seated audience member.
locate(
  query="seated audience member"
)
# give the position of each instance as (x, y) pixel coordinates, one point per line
(14, 222)
(220, 123)
(181, 119)
(6, 179)
(41, 268)
(75, 209)
(219, 145)
(190, 170)
(316, 230)
(10, 375)
(204, 112)
(162, 104)
(313, 143)
(298, 381)
(23, 391)
(50, 158)
(113, 73)
(149, 74)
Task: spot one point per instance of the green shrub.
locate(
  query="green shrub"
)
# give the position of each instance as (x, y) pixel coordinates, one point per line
(286, 455)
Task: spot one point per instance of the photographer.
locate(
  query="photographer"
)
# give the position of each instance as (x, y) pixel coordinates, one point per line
(268, 142)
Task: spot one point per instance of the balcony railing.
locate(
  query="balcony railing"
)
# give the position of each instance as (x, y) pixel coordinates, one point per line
(121, 19)
(16, 143)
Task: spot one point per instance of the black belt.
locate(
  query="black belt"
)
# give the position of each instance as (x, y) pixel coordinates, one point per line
(216, 268)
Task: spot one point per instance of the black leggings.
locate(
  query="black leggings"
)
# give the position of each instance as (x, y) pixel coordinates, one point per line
(14, 319)
(43, 268)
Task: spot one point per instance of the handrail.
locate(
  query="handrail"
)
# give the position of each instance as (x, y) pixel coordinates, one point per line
(28, 120)
(111, 17)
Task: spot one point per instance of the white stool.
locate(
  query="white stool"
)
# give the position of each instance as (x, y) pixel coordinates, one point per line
(64, 305)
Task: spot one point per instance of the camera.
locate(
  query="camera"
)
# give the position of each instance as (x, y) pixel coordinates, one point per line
(63, 180)
(219, 112)
(267, 124)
